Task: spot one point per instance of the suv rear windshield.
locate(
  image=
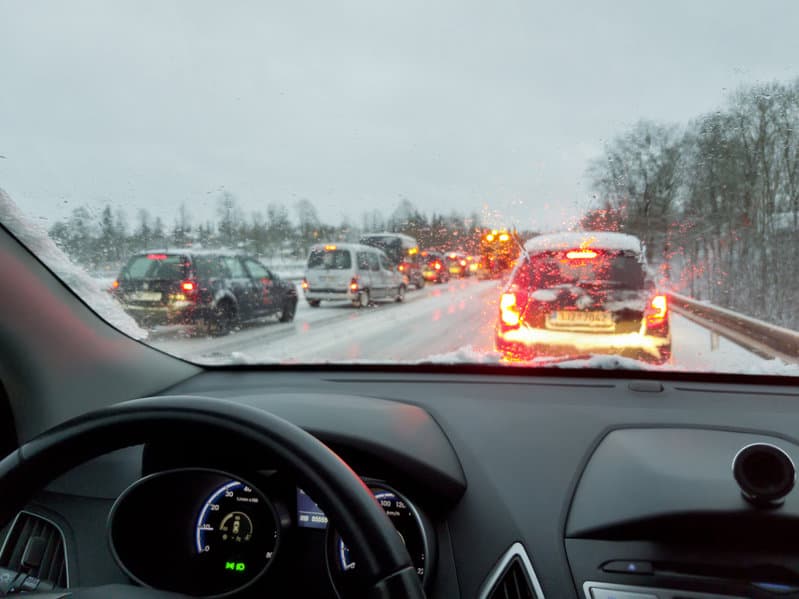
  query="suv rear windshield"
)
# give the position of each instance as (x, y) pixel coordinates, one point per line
(617, 270)
(209, 267)
(156, 266)
(329, 260)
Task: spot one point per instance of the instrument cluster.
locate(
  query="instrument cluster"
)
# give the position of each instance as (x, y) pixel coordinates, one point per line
(210, 533)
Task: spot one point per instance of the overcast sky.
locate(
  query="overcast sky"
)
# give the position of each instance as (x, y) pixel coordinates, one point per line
(487, 106)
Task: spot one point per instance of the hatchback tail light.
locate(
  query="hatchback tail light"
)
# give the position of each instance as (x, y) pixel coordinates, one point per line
(509, 310)
(657, 311)
(581, 255)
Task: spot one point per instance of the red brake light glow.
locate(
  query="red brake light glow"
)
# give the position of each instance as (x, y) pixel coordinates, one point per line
(354, 285)
(115, 284)
(187, 286)
(304, 284)
(437, 265)
(658, 309)
(156, 256)
(581, 254)
(509, 311)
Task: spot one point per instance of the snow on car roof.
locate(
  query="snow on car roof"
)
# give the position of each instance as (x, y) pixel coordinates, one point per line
(584, 239)
(346, 246)
(403, 237)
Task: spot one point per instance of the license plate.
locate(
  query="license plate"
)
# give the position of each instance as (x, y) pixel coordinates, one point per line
(146, 296)
(579, 318)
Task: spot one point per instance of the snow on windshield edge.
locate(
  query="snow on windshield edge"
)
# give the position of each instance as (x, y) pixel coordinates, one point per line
(36, 239)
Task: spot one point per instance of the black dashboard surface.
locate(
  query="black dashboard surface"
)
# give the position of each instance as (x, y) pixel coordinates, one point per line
(502, 455)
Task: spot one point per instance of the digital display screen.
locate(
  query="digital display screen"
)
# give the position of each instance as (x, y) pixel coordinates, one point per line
(309, 515)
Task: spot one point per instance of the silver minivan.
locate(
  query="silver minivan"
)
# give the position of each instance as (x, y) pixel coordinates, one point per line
(350, 271)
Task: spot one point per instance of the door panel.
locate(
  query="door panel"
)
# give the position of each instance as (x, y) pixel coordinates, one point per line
(262, 281)
(378, 280)
(241, 285)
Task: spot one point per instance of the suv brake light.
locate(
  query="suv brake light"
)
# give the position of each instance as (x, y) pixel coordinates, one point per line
(354, 284)
(581, 254)
(657, 310)
(509, 311)
(187, 286)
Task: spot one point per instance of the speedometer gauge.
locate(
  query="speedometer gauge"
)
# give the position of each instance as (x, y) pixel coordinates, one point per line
(236, 529)
(216, 533)
(412, 529)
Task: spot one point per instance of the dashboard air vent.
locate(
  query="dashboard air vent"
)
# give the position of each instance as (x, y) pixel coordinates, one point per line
(513, 577)
(36, 546)
(513, 584)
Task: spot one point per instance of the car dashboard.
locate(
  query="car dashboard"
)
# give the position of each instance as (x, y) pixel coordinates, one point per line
(501, 485)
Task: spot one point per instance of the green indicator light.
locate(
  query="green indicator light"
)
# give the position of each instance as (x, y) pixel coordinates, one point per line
(236, 566)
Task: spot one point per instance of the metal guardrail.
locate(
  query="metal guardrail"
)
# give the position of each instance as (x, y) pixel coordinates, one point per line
(765, 339)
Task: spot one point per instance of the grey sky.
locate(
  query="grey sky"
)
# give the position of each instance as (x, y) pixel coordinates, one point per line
(487, 106)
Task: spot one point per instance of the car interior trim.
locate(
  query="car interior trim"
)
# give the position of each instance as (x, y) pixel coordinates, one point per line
(50, 521)
(515, 551)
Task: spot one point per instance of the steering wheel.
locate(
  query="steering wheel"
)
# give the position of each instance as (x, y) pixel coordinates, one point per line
(343, 496)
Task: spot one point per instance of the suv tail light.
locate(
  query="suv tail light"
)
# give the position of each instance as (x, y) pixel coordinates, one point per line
(581, 255)
(305, 284)
(188, 286)
(354, 284)
(657, 311)
(509, 310)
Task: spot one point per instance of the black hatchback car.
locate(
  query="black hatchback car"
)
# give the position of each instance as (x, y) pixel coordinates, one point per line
(207, 288)
(577, 294)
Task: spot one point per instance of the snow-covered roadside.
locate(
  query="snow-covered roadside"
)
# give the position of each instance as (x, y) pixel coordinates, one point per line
(35, 237)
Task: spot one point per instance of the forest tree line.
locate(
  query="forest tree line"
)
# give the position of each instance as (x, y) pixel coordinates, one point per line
(716, 200)
(106, 239)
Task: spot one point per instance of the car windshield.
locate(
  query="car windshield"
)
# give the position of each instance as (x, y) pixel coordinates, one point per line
(598, 185)
(328, 259)
(583, 268)
(155, 266)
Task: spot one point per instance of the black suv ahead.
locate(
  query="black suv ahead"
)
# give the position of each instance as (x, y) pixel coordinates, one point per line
(577, 294)
(208, 288)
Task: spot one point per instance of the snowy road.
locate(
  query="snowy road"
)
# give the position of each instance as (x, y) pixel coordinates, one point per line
(452, 322)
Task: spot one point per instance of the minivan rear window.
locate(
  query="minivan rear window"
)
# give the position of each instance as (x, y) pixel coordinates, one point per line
(169, 267)
(329, 260)
(616, 270)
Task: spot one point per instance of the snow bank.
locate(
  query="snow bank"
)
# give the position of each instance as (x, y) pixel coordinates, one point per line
(600, 362)
(586, 239)
(463, 355)
(35, 237)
